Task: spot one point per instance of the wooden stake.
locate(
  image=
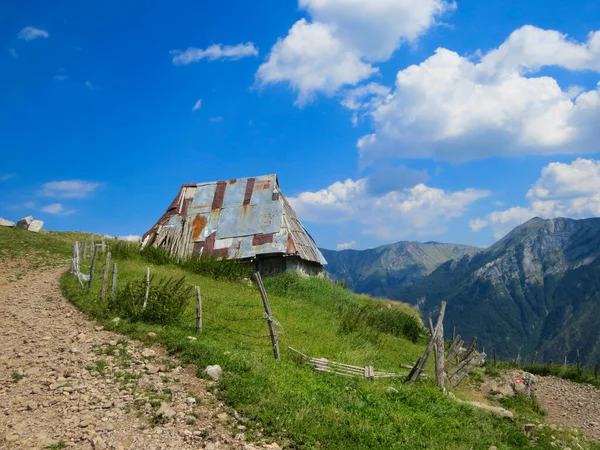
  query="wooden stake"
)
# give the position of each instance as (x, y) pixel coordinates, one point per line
(147, 287)
(461, 364)
(453, 348)
(105, 277)
(578, 362)
(113, 289)
(92, 266)
(565, 364)
(419, 367)
(103, 245)
(267, 306)
(474, 363)
(198, 310)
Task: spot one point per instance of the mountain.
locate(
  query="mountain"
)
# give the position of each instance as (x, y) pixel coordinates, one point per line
(535, 290)
(384, 270)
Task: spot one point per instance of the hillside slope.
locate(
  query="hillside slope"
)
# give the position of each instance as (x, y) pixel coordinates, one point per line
(383, 270)
(535, 290)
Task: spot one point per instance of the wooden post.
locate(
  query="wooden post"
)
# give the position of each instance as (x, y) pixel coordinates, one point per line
(565, 364)
(453, 333)
(267, 306)
(113, 288)
(474, 363)
(85, 248)
(147, 287)
(461, 364)
(578, 362)
(198, 310)
(453, 349)
(419, 367)
(105, 277)
(92, 267)
(103, 245)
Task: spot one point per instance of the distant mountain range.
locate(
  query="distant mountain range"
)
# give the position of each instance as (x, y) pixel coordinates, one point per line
(535, 290)
(385, 270)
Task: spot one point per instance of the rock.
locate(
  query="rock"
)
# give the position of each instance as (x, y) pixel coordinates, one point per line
(190, 401)
(214, 372)
(116, 320)
(192, 338)
(391, 390)
(529, 427)
(492, 447)
(152, 334)
(166, 411)
(151, 369)
(30, 224)
(148, 352)
(223, 416)
(496, 410)
(6, 223)
(210, 446)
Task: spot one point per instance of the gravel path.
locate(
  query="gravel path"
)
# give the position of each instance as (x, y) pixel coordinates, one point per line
(64, 378)
(572, 404)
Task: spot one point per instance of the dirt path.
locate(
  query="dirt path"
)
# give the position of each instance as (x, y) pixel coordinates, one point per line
(572, 404)
(63, 378)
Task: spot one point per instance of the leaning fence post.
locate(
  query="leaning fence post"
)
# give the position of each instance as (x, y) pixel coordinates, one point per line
(147, 287)
(105, 277)
(103, 245)
(198, 310)
(420, 365)
(113, 289)
(265, 299)
(92, 267)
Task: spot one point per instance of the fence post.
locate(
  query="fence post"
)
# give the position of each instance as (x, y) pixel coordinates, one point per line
(565, 364)
(198, 310)
(113, 289)
(105, 277)
(103, 245)
(92, 267)
(578, 362)
(265, 299)
(147, 287)
(420, 365)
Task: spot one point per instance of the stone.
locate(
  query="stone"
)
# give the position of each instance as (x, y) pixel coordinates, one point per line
(391, 390)
(190, 401)
(152, 334)
(12, 437)
(192, 338)
(148, 352)
(166, 411)
(529, 427)
(496, 410)
(6, 223)
(210, 446)
(214, 372)
(222, 416)
(30, 224)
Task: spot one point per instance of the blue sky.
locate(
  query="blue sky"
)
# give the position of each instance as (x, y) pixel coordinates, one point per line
(385, 120)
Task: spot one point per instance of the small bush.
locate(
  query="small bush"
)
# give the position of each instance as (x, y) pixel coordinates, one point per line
(166, 302)
(211, 266)
(157, 256)
(392, 321)
(125, 250)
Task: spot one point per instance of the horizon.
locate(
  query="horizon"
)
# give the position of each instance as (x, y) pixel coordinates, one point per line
(384, 121)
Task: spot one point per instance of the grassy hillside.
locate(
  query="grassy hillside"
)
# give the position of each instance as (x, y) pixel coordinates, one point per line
(291, 401)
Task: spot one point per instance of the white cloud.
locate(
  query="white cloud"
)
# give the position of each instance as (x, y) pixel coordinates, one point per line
(346, 245)
(59, 77)
(56, 208)
(31, 33)
(215, 119)
(88, 84)
(214, 52)
(130, 238)
(364, 98)
(69, 189)
(452, 108)
(376, 28)
(7, 176)
(197, 105)
(13, 52)
(421, 210)
(336, 47)
(311, 59)
(26, 205)
(563, 190)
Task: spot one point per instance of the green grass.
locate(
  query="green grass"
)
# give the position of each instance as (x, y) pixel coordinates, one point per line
(581, 375)
(292, 402)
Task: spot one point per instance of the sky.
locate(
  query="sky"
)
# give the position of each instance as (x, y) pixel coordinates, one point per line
(385, 120)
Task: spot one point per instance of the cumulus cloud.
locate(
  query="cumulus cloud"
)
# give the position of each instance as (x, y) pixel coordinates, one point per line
(336, 48)
(452, 108)
(563, 190)
(31, 33)
(420, 210)
(214, 52)
(346, 245)
(311, 59)
(69, 189)
(197, 105)
(57, 208)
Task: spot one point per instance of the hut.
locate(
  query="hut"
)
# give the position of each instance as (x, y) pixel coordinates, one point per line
(246, 219)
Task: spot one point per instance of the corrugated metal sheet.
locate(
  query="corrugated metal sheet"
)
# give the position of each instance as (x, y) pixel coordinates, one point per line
(236, 219)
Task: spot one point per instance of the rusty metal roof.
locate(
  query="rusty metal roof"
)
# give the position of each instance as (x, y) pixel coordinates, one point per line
(235, 219)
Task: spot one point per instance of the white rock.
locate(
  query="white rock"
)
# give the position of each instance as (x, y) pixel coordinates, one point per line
(36, 226)
(6, 223)
(24, 222)
(190, 401)
(166, 411)
(29, 223)
(215, 372)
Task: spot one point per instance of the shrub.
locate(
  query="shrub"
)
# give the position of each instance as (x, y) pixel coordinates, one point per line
(167, 300)
(124, 250)
(209, 265)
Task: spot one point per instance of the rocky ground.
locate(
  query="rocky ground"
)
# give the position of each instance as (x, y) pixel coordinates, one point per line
(67, 383)
(572, 404)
